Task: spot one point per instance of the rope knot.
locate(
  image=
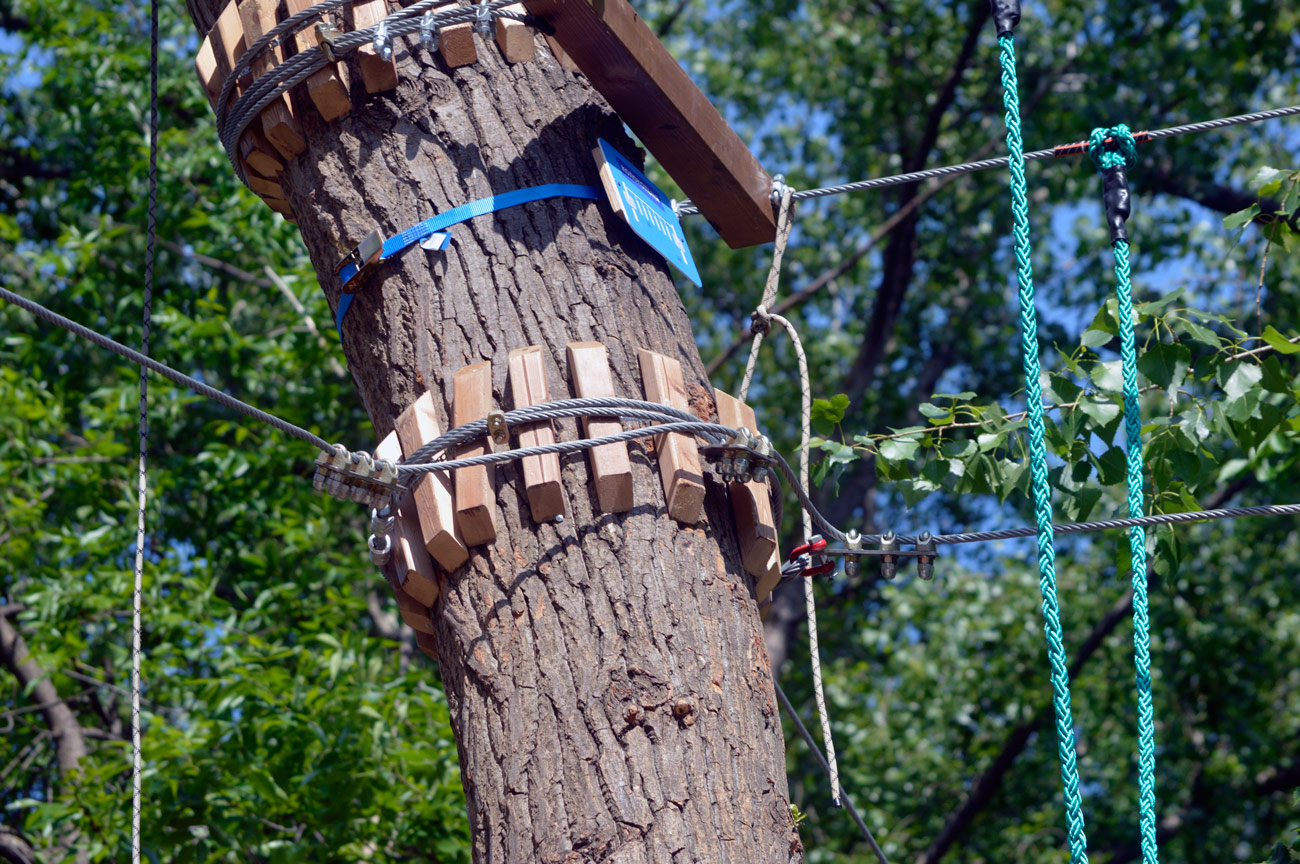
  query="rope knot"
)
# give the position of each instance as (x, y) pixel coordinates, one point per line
(760, 321)
(1122, 149)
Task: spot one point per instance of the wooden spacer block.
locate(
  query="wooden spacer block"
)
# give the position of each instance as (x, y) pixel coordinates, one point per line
(416, 616)
(265, 188)
(541, 473)
(514, 38)
(378, 74)
(327, 88)
(764, 606)
(426, 643)
(561, 56)
(755, 525)
(259, 153)
(279, 205)
(434, 501)
(415, 572)
(590, 375)
(220, 51)
(768, 582)
(277, 117)
(679, 458)
(456, 45)
(476, 503)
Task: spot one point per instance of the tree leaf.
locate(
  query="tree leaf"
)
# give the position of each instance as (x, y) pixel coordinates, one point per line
(1280, 343)
(1165, 364)
(1241, 217)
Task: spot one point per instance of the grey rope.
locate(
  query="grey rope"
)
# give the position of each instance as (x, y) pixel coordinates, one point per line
(166, 371)
(821, 760)
(137, 591)
(686, 208)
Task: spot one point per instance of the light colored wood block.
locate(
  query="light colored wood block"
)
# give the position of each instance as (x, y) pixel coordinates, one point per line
(277, 117)
(265, 188)
(514, 38)
(764, 606)
(414, 566)
(220, 51)
(768, 581)
(476, 503)
(260, 153)
(432, 494)
(456, 45)
(327, 88)
(415, 615)
(610, 466)
(279, 205)
(750, 503)
(378, 74)
(679, 458)
(541, 473)
(426, 643)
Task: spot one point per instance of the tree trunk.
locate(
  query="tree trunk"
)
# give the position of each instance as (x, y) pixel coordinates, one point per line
(564, 647)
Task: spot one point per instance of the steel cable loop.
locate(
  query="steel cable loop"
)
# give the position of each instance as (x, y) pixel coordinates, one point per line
(686, 208)
(1078, 841)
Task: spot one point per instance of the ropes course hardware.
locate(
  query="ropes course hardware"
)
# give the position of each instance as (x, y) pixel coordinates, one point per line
(498, 428)
(852, 544)
(1078, 148)
(356, 477)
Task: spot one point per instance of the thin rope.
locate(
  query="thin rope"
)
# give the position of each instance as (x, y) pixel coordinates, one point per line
(821, 760)
(1077, 148)
(1125, 157)
(1038, 457)
(137, 593)
(761, 320)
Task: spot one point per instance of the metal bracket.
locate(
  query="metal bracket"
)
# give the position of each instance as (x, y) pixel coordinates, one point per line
(498, 428)
(383, 42)
(483, 21)
(428, 33)
(355, 477)
(327, 34)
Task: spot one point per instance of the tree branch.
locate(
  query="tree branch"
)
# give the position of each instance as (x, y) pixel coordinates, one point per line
(69, 740)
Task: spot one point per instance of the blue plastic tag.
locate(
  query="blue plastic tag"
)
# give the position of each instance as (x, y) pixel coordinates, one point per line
(645, 208)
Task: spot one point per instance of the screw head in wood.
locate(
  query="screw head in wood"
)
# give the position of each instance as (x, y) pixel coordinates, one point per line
(682, 707)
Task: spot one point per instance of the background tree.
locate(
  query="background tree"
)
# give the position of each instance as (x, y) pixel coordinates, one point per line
(270, 656)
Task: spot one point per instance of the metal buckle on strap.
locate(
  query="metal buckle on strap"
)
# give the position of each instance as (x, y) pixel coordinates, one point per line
(365, 254)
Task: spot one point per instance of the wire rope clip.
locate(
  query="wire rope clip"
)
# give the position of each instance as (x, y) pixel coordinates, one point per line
(355, 477)
(383, 41)
(483, 20)
(927, 551)
(366, 254)
(428, 32)
(852, 541)
(735, 462)
(326, 35)
(888, 558)
(498, 428)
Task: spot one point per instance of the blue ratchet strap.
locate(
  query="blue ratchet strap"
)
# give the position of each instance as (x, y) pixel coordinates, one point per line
(365, 255)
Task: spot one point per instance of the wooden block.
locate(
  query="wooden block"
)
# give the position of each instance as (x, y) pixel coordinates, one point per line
(590, 375)
(755, 526)
(476, 503)
(378, 74)
(679, 458)
(220, 51)
(259, 152)
(764, 607)
(541, 473)
(415, 572)
(205, 65)
(434, 501)
(768, 581)
(415, 615)
(265, 188)
(279, 205)
(426, 643)
(456, 45)
(651, 92)
(565, 61)
(515, 38)
(277, 117)
(327, 88)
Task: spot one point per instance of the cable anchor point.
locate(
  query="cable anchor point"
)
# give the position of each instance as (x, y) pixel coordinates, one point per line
(888, 560)
(483, 21)
(852, 541)
(326, 35)
(925, 545)
(428, 32)
(498, 428)
(383, 41)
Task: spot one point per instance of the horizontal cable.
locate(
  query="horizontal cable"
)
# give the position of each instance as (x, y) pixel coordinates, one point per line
(1078, 148)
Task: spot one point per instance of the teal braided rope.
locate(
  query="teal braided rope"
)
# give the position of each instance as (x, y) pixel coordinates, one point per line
(1104, 159)
(1038, 460)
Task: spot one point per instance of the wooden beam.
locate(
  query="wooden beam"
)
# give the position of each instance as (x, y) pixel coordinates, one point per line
(327, 88)
(456, 45)
(515, 38)
(411, 559)
(657, 99)
(755, 525)
(541, 473)
(277, 117)
(476, 502)
(679, 458)
(378, 74)
(434, 500)
(610, 466)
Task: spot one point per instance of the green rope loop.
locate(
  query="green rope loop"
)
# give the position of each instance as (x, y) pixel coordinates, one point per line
(1125, 147)
(1038, 460)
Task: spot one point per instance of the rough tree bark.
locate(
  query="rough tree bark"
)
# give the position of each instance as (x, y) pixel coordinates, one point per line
(564, 647)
